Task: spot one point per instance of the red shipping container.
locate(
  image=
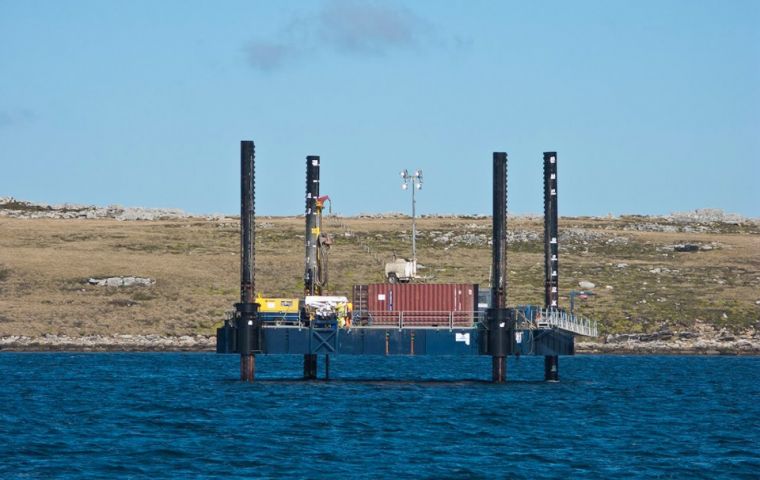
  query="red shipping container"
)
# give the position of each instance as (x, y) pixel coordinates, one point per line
(417, 304)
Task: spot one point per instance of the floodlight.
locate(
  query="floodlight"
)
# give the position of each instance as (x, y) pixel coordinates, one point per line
(404, 186)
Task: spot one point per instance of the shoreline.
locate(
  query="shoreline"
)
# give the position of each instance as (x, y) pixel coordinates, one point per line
(205, 343)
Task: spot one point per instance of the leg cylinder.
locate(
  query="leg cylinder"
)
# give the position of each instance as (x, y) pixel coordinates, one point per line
(551, 368)
(499, 371)
(310, 366)
(247, 367)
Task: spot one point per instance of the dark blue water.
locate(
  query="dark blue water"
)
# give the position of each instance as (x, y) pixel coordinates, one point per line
(186, 416)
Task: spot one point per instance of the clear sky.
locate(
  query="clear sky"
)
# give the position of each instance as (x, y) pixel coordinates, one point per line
(652, 106)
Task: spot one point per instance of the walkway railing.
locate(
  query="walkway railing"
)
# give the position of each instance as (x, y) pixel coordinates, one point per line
(563, 320)
(530, 319)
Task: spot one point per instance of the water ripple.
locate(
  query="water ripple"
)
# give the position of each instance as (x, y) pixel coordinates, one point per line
(185, 415)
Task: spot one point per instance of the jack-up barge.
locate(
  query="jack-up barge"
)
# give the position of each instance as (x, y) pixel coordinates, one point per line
(497, 331)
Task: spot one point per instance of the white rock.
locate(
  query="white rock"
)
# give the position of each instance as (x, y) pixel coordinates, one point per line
(121, 281)
(586, 284)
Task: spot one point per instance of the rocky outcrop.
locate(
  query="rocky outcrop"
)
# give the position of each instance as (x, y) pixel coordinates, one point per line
(702, 340)
(703, 220)
(706, 215)
(121, 281)
(10, 207)
(102, 343)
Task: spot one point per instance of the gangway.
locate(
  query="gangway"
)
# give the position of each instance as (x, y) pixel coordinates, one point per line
(563, 320)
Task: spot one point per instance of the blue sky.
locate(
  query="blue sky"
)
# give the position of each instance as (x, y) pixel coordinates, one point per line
(653, 106)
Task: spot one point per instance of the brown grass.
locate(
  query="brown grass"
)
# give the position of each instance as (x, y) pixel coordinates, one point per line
(45, 264)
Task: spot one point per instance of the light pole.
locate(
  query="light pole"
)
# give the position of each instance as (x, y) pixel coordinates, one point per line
(584, 294)
(415, 180)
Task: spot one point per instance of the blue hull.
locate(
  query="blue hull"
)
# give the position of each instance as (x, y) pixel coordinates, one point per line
(277, 340)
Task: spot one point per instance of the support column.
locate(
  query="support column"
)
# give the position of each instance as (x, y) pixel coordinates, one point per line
(310, 366)
(311, 235)
(247, 321)
(247, 367)
(247, 338)
(551, 253)
(310, 283)
(327, 367)
(551, 232)
(499, 369)
(551, 368)
(499, 318)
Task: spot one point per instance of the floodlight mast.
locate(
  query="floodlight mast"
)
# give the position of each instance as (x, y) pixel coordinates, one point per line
(415, 181)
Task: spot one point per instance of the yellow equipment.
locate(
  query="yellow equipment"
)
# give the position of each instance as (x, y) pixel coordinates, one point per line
(278, 305)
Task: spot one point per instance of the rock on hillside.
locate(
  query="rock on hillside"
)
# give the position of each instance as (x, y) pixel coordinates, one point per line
(11, 207)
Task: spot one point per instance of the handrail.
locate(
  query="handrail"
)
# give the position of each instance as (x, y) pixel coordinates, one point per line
(531, 318)
(566, 321)
(442, 319)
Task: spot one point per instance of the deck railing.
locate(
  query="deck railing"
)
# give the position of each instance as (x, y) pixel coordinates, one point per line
(423, 319)
(531, 319)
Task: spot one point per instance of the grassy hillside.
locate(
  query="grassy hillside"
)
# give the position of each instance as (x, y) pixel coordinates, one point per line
(642, 284)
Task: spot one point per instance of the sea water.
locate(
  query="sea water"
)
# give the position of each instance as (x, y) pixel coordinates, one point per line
(137, 415)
